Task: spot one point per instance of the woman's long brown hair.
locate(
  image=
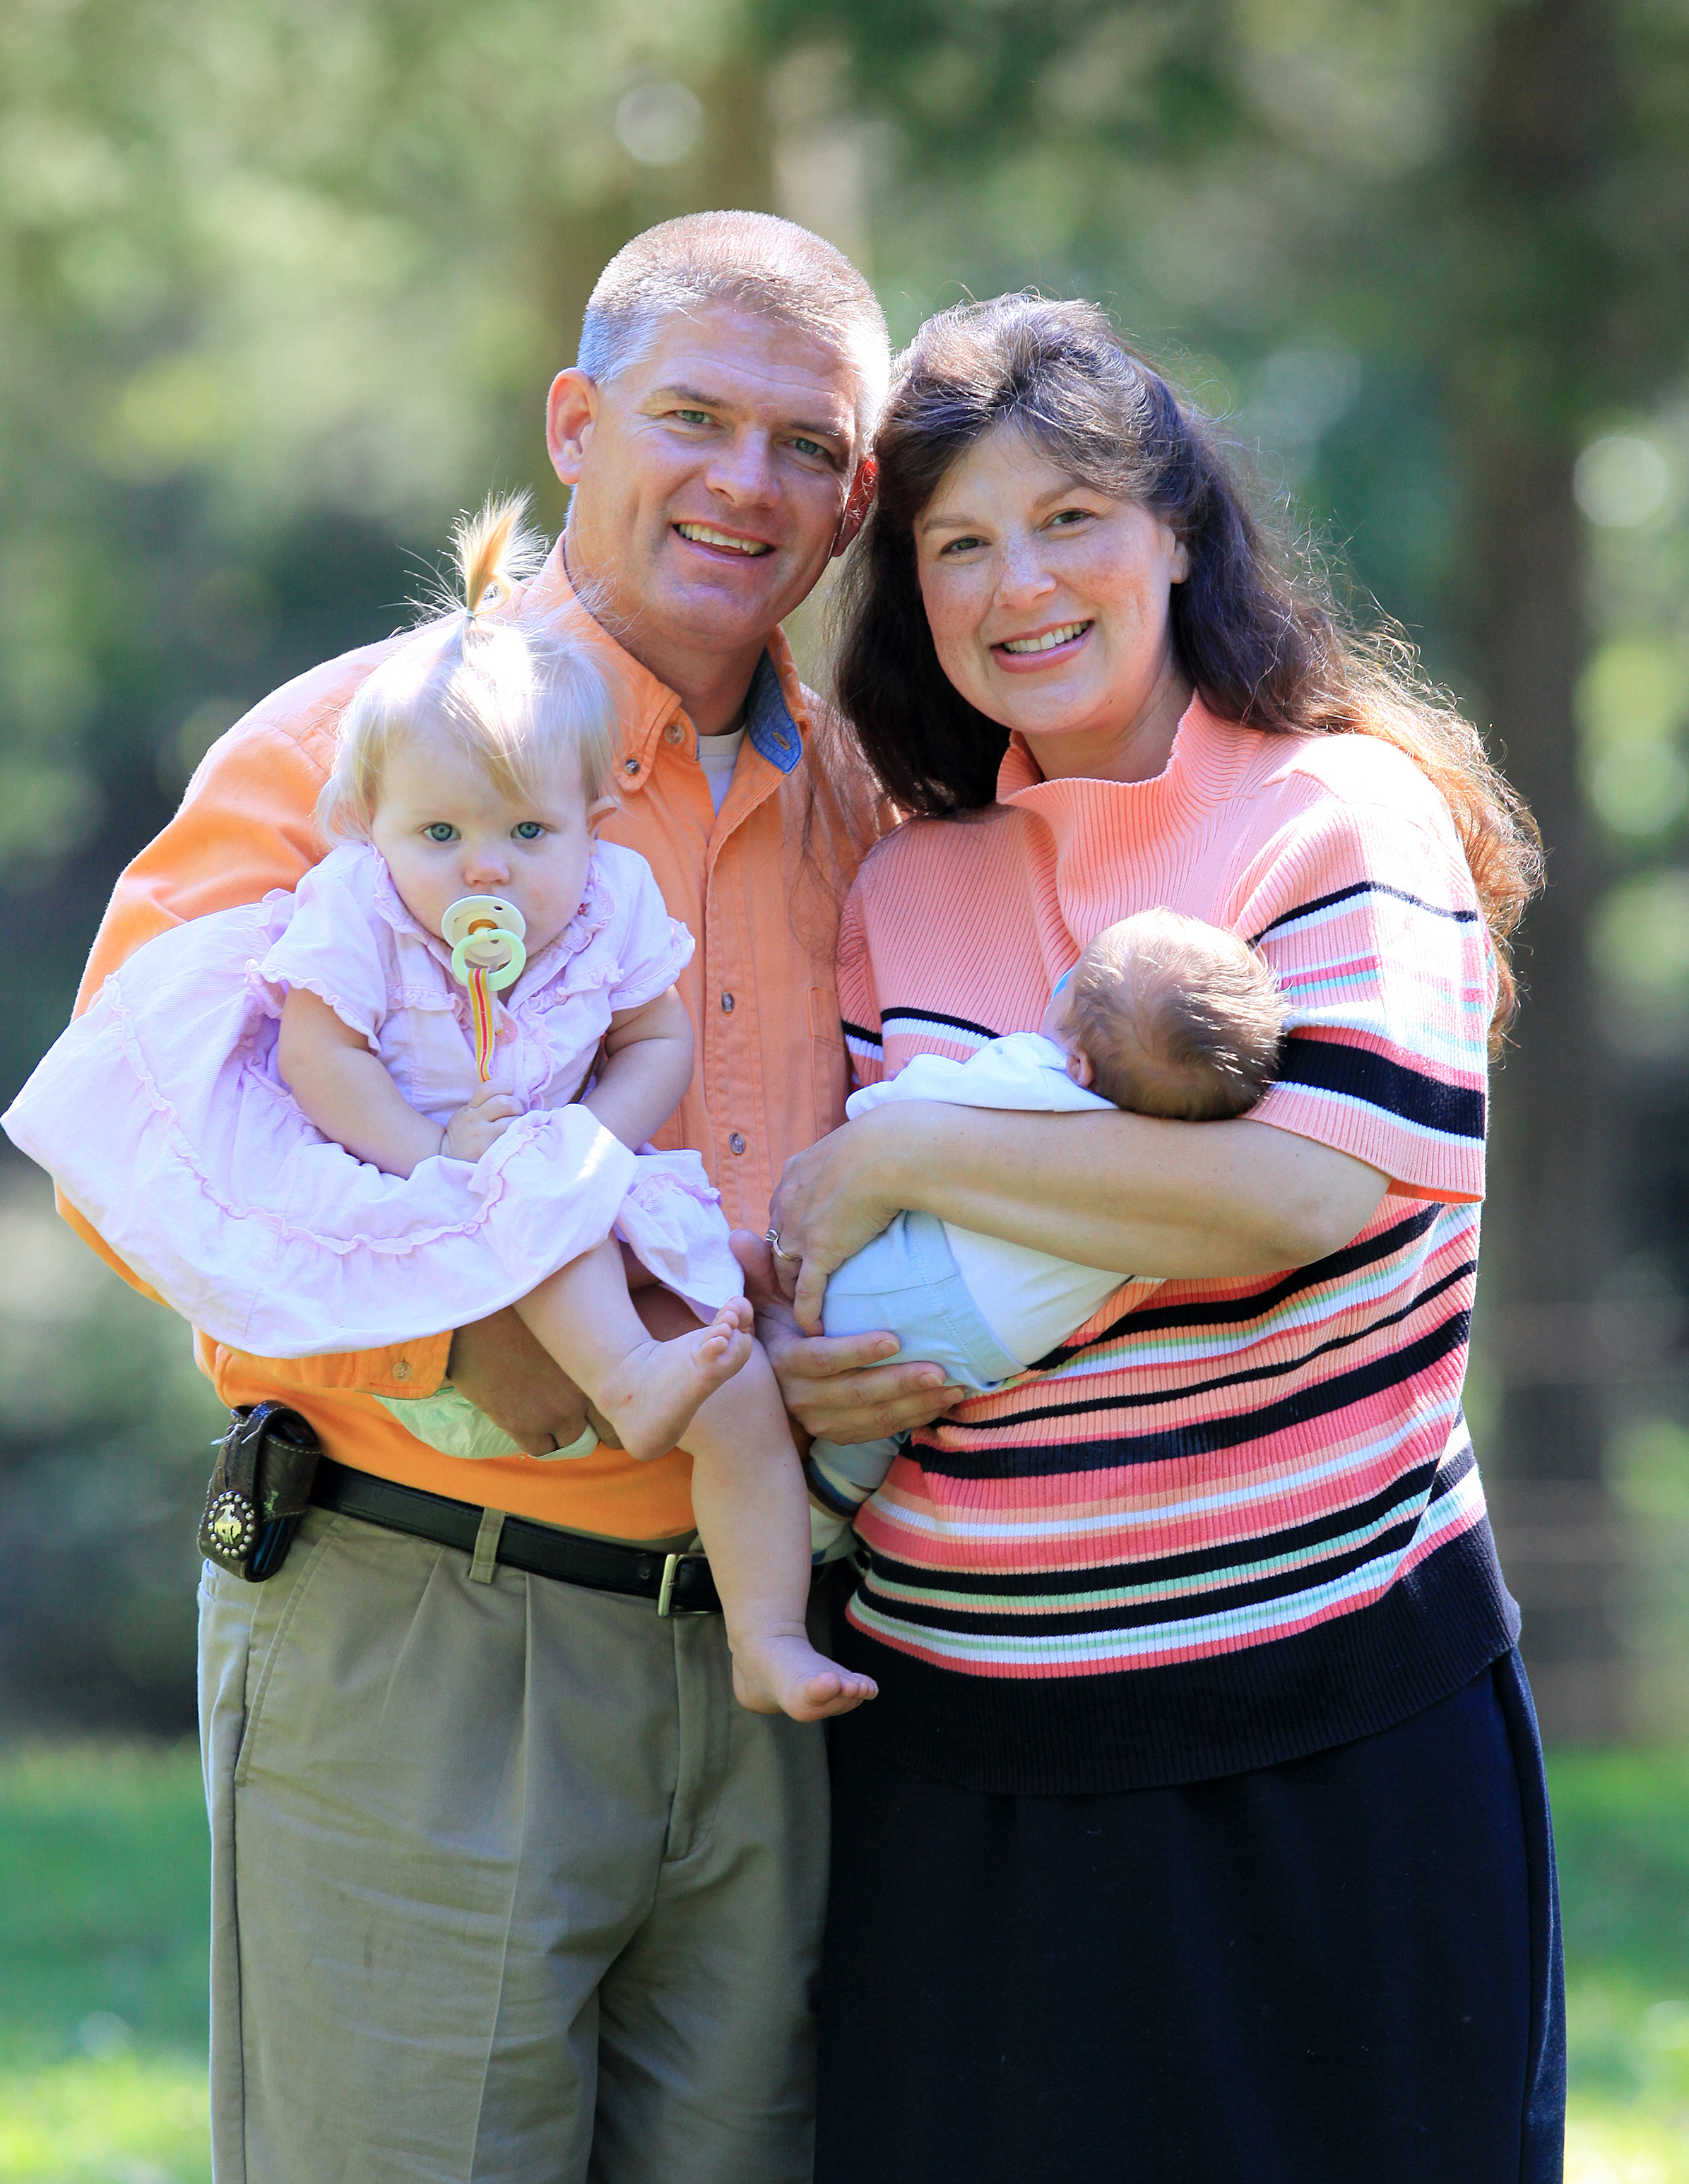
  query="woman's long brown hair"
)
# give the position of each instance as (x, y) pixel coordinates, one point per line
(1254, 627)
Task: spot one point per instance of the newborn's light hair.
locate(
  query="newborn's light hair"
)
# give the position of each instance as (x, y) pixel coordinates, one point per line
(514, 691)
(1176, 1018)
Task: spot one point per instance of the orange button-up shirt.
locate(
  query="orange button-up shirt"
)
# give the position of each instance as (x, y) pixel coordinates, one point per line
(759, 888)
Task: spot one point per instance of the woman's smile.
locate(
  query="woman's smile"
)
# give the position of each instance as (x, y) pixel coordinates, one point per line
(1044, 649)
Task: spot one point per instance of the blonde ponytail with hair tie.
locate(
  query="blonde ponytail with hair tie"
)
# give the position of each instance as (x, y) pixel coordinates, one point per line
(495, 551)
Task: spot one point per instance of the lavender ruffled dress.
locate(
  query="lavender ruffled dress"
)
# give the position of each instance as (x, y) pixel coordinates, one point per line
(161, 1116)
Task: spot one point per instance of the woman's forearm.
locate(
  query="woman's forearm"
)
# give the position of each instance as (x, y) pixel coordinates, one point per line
(1126, 1193)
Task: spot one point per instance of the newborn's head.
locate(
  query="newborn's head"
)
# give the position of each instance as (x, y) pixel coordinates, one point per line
(1166, 1015)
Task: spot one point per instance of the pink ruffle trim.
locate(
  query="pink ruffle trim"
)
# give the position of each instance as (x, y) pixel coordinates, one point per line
(491, 1166)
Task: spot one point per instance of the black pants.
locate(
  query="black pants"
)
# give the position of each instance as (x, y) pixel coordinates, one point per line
(1342, 1970)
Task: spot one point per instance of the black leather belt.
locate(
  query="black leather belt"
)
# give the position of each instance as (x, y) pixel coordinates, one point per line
(680, 1585)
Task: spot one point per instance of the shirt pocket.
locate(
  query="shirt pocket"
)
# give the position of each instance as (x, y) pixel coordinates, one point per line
(829, 1064)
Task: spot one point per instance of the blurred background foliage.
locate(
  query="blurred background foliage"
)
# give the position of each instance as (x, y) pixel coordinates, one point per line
(282, 286)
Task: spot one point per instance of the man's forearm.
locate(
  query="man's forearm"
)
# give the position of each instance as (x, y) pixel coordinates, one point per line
(503, 1371)
(1126, 1193)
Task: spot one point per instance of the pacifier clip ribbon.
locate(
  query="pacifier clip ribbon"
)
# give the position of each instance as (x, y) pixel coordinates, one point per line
(485, 933)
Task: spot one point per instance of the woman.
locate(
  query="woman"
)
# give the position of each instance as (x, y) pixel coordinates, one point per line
(1199, 1829)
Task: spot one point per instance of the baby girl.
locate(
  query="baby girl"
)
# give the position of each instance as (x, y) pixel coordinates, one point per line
(1161, 1015)
(273, 1114)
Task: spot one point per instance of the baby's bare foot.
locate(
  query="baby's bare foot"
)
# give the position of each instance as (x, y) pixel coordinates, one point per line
(780, 1671)
(660, 1385)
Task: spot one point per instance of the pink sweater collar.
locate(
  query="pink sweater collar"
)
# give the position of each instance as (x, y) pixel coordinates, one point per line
(1206, 761)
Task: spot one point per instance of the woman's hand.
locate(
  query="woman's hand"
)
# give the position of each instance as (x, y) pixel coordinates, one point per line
(838, 1387)
(830, 1201)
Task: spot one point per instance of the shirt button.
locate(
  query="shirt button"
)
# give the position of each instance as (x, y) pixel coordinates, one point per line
(630, 765)
(726, 1004)
(671, 734)
(736, 1141)
(401, 1370)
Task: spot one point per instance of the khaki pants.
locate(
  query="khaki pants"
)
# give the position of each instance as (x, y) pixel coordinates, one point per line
(505, 1884)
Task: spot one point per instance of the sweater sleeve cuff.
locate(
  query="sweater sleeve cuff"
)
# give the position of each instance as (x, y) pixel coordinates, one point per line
(1420, 1163)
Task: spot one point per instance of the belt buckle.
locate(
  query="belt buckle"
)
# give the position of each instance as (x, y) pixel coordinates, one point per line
(666, 1590)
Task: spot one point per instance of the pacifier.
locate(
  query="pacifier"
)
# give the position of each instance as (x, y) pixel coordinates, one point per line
(485, 933)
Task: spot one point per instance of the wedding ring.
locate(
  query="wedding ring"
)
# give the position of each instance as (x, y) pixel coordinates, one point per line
(773, 1240)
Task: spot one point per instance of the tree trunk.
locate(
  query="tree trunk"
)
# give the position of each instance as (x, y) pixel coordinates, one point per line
(1545, 121)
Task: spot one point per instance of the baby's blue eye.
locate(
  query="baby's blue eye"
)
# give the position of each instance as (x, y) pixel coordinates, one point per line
(442, 830)
(528, 830)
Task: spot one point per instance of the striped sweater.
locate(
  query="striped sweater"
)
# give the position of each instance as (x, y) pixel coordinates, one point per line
(1227, 1522)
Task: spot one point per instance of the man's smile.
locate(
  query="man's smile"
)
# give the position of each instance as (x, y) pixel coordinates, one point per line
(705, 534)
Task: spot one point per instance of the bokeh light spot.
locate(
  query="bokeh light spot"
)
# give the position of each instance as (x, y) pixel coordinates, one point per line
(1621, 480)
(1639, 787)
(658, 124)
(1639, 938)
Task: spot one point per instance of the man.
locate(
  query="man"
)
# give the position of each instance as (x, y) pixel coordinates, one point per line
(503, 1882)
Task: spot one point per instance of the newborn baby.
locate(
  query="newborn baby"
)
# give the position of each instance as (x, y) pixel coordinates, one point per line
(1163, 1016)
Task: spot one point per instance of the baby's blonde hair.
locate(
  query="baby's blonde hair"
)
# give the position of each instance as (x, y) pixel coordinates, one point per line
(515, 691)
(1176, 1018)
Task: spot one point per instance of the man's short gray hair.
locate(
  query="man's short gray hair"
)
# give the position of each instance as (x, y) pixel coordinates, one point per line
(749, 261)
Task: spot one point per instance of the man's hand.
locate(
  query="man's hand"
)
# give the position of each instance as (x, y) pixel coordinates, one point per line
(503, 1371)
(479, 1123)
(836, 1386)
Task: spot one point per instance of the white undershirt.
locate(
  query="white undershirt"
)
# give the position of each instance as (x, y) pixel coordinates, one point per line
(718, 755)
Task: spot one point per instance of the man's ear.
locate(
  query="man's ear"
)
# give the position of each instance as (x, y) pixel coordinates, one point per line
(1080, 1068)
(598, 810)
(571, 411)
(857, 502)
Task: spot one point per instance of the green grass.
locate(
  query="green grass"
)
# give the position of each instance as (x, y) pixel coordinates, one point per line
(1621, 1821)
(103, 1880)
(102, 1897)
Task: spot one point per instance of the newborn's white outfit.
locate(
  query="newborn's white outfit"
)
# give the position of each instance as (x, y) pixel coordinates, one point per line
(982, 1308)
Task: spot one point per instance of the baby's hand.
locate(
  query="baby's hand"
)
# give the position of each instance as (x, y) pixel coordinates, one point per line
(474, 1126)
